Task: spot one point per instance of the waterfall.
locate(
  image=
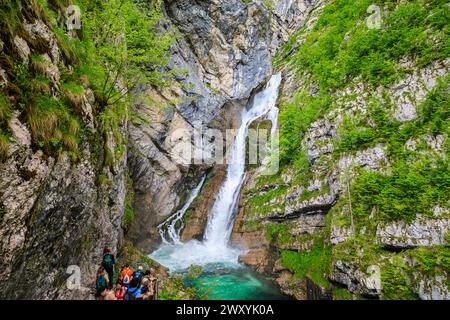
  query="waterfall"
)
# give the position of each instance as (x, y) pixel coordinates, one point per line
(214, 250)
(221, 217)
(175, 223)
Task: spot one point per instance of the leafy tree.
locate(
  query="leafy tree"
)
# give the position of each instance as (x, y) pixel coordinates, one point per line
(128, 40)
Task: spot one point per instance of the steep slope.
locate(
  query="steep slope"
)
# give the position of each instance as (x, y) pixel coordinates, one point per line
(63, 172)
(364, 118)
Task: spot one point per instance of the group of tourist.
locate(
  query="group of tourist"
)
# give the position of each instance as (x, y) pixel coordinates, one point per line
(130, 285)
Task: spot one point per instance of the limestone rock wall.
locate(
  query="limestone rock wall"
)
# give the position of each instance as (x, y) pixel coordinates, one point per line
(55, 212)
(226, 49)
(282, 214)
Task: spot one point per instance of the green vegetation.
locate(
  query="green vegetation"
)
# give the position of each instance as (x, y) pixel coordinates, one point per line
(52, 125)
(342, 294)
(295, 118)
(398, 275)
(125, 36)
(194, 284)
(262, 199)
(339, 53)
(417, 181)
(341, 48)
(278, 232)
(5, 115)
(313, 264)
(434, 112)
(119, 45)
(410, 189)
(395, 283)
(4, 145)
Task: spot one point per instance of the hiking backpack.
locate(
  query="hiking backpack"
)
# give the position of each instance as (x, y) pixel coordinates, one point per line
(138, 275)
(132, 293)
(126, 279)
(108, 263)
(100, 284)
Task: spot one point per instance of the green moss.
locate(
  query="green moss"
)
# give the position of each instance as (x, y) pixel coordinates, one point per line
(361, 253)
(264, 210)
(5, 109)
(249, 226)
(274, 230)
(342, 294)
(395, 282)
(103, 180)
(4, 145)
(314, 264)
(129, 214)
(295, 118)
(262, 199)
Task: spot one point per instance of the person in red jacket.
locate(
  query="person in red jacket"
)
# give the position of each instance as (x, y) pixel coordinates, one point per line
(120, 291)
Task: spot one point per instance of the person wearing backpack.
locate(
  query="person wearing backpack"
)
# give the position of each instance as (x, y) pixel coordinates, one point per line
(134, 291)
(126, 275)
(108, 263)
(101, 283)
(138, 274)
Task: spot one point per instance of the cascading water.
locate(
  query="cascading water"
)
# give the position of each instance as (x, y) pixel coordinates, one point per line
(214, 253)
(220, 223)
(173, 226)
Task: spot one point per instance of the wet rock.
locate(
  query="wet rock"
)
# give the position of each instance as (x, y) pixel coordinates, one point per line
(197, 217)
(290, 286)
(259, 259)
(226, 47)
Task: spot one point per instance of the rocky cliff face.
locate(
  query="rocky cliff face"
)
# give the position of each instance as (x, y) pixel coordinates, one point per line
(299, 227)
(226, 49)
(305, 213)
(58, 210)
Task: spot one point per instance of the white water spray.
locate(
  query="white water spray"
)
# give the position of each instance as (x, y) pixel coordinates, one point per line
(215, 249)
(175, 223)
